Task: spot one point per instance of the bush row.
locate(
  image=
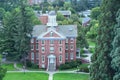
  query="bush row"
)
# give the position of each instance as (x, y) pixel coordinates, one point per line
(69, 65)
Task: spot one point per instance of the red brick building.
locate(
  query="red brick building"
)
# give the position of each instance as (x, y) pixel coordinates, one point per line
(53, 44)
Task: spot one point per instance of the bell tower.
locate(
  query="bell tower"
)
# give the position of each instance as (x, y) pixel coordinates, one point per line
(52, 19)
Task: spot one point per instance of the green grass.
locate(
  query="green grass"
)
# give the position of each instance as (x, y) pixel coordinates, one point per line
(70, 76)
(91, 43)
(9, 67)
(26, 76)
(84, 65)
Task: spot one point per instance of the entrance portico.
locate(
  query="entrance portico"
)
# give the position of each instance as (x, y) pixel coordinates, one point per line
(51, 62)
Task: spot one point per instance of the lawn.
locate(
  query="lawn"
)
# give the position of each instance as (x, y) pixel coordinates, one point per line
(9, 67)
(70, 76)
(91, 43)
(26, 76)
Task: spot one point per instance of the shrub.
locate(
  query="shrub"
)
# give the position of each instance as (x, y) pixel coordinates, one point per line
(69, 65)
(29, 64)
(84, 68)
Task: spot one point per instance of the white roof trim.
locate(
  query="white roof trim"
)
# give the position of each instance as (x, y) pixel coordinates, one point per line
(41, 36)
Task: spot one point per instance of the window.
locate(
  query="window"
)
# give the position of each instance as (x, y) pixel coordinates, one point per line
(71, 47)
(51, 41)
(51, 49)
(43, 42)
(60, 49)
(51, 34)
(32, 40)
(60, 58)
(37, 61)
(66, 55)
(66, 46)
(66, 40)
(36, 41)
(37, 46)
(43, 58)
(71, 56)
(60, 41)
(37, 55)
(32, 46)
(72, 40)
(43, 49)
(32, 55)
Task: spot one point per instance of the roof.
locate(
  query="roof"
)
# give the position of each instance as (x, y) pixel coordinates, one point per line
(52, 13)
(65, 12)
(86, 19)
(65, 30)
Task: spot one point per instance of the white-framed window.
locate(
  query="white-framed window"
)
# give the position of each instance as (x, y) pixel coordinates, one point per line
(60, 49)
(66, 56)
(71, 47)
(37, 55)
(60, 58)
(71, 56)
(51, 41)
(71, 40)
(43, 41)
(36, 41)
(37, 61)
(51, 34)
(32, 40)
(43, 58)
(32, 55)
(51, 49)
(67, 40)
(32, 46)
(37, 46)
(60, 41)
(43, 49)
(66, 46)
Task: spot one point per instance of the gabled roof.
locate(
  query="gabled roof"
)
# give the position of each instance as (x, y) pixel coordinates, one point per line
(48, 31)
(62, 30)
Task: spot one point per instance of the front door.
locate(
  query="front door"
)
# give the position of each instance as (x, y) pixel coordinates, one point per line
(51, 63)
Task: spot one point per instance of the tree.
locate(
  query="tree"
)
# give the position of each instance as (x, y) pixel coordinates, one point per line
(95, 13)
(2, 71)
(60, 17)
(17, 31)
(2, 12)
(92, 33)
(101, 60)
(115, 53)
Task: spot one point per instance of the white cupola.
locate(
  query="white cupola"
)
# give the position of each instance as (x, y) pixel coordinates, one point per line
(52, 19)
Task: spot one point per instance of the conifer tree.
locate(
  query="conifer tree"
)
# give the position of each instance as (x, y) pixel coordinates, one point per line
(101, 60)
(115, 54)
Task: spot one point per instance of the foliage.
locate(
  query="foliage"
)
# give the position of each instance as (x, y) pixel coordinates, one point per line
(92, 33)
(101, 60)
(2, 12)
(17, 31)
(84, 68)
(60, 17)
(95, 13)
(29, 64)
(8, 66)
(69, 65)
(2, 71)
(115, 53)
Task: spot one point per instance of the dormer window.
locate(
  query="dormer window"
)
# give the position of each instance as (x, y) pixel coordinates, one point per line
(51, 34)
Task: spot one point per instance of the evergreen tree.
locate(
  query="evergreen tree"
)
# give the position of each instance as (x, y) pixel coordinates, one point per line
(2, 71)
(17, 29)
(101, 60)
(115, 54)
